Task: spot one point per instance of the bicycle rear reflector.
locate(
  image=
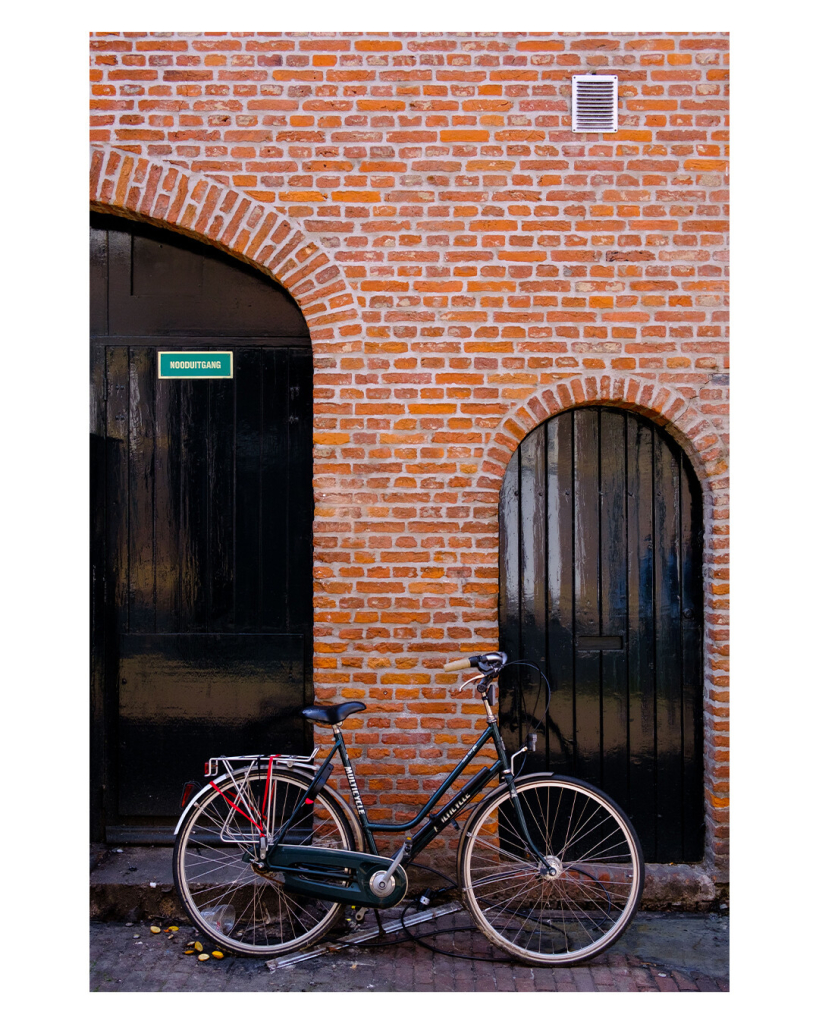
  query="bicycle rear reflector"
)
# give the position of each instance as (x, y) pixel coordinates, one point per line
(186, 792)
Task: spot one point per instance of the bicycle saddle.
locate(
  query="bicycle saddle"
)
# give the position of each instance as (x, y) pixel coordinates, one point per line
(332, 714)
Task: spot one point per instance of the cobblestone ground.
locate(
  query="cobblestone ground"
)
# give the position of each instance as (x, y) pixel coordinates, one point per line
(130, 958)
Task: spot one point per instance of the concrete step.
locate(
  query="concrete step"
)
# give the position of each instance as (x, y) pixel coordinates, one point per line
(132, 883)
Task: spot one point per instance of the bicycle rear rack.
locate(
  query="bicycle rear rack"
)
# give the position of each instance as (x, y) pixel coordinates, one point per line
(249, 761)
(242, 803)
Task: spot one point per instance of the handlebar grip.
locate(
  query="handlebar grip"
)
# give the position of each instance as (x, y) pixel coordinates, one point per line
(457, 665)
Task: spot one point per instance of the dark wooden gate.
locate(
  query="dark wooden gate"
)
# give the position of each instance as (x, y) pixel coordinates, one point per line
(201, 523)
(601, 586)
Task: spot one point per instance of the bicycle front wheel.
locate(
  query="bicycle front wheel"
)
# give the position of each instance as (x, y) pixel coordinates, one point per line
(239, 906)
(580, 900)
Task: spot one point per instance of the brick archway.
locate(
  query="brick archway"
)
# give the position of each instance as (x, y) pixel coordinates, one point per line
(693, 431)
(227, 218)
(707, 454)
(256, 233)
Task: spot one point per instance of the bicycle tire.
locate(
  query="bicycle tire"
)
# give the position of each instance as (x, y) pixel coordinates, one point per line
(210, 872)
(539, 918)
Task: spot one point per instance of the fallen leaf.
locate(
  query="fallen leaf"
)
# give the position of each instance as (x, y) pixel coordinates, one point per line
(219, 955)
(188, 952)
(203, 956)
(174, 928)
(155, 930)
(198, 947)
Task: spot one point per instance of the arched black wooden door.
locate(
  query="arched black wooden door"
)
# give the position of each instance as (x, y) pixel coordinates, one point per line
(601, 586)
(202, 510)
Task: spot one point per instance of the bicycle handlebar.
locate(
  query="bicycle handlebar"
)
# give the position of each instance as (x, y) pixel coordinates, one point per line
(456, 666)
(485, 663)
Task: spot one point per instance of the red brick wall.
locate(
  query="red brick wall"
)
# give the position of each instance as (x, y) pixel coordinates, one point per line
(468, 266)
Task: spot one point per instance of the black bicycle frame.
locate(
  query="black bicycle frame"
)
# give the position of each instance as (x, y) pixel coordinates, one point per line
(437, 822)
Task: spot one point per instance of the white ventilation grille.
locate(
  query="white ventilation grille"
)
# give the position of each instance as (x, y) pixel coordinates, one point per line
(594, 103)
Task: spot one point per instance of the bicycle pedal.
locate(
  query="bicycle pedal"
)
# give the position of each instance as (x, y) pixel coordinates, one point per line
(354, 918)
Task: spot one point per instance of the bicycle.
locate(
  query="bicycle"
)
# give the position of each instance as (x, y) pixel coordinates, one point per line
(267, 856)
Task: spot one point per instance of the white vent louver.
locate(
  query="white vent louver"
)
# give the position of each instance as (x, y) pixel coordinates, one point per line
(594, 103)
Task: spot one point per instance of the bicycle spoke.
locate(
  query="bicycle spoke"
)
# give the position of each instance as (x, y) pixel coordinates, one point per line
(510, 856)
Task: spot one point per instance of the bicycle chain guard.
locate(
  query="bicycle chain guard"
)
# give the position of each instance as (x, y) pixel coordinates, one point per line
(340, 875)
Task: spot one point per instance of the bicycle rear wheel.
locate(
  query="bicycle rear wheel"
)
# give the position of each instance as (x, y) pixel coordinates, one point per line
(237, 905)
(576, 905)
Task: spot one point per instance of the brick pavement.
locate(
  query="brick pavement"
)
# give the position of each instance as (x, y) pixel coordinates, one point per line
(129, 958)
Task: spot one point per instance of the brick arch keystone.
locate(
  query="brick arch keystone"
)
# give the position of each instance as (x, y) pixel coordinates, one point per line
(230, 219)
(679, 415)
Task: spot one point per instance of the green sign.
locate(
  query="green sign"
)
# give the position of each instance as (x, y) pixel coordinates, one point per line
(195, 364)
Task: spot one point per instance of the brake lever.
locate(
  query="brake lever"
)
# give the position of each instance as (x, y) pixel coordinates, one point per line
(472, 680)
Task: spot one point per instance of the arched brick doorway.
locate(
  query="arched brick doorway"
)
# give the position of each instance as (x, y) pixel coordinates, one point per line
(601, 585)
(202, 521)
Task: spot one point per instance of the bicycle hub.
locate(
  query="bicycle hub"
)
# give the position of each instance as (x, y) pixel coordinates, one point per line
(552, 869)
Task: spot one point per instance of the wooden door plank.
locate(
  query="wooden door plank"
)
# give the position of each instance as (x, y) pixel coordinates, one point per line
(221, 504)
(640, 644)
(532, 567)
(116, 552)
(99, 282)
(97, 737)
(248, 380)
(300, 494)
(117, 485)
(691, 661)
(300, 517)
(141, 430)
(614, 603)
(167, 492)
(667, 645)
(560, 591)
(119, 276)
(276, 480)
(587, 591)
(193, 504)
(509, 598)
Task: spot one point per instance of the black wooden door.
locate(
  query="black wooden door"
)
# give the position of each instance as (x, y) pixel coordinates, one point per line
(202, 525)
(601, 586)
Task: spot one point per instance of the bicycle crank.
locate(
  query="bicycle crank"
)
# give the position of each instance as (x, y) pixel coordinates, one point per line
(344, 876)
